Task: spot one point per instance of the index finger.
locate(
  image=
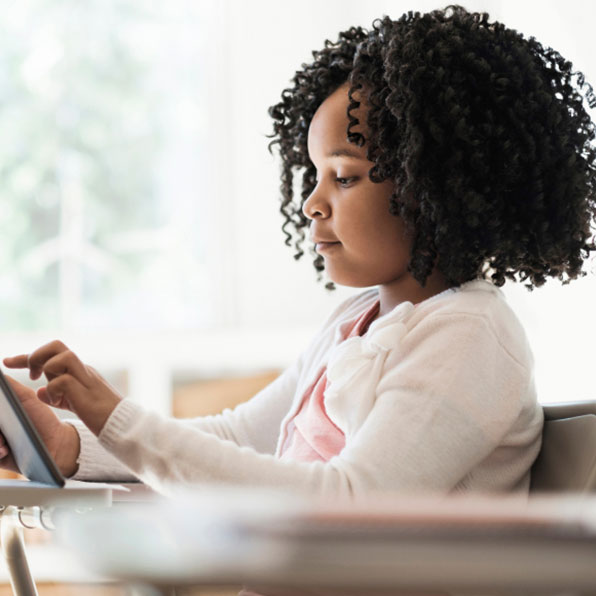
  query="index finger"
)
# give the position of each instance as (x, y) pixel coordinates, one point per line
(23, 361)
(20, 361)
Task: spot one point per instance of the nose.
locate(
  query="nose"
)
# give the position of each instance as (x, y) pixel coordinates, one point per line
(315, 206)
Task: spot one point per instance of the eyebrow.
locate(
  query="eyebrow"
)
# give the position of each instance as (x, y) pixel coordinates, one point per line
(344, 152)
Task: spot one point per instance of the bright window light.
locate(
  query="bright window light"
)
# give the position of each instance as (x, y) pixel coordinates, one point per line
(103, 152)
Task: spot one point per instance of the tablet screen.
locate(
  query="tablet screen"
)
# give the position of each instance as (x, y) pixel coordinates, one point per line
(28, 449)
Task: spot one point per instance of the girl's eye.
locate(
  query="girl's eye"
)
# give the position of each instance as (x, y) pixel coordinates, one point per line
(345, 181)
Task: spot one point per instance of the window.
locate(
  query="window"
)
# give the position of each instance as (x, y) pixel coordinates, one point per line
(105, 168)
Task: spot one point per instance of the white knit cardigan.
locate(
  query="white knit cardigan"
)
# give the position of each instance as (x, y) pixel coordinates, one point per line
(435, 397)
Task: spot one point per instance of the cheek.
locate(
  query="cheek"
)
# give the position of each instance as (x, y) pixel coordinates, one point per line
(393, 243)
(389, 231)
(397, 230)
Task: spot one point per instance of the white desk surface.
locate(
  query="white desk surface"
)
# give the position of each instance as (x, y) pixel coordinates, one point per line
(22, 493)
(389, 542)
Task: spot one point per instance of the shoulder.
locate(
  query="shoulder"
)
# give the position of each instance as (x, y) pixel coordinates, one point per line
(475, 310)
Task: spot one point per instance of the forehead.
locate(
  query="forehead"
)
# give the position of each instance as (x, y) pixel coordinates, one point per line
(328, 128)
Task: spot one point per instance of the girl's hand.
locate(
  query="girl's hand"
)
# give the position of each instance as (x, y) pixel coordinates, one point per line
(71, 384)
(60, 438)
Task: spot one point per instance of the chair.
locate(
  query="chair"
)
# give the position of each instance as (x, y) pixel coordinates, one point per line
(567, 459)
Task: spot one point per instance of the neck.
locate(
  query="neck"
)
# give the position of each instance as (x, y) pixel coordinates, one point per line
(407, 289)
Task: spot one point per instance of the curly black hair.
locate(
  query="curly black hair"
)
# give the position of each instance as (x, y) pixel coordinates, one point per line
(483, 132)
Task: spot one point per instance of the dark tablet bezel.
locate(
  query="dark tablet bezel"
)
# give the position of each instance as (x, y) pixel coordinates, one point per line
(27, 447)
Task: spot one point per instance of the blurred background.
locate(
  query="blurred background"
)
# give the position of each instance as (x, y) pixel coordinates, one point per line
(139, 218)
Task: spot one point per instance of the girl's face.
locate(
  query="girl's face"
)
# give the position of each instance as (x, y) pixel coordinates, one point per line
(361, 242)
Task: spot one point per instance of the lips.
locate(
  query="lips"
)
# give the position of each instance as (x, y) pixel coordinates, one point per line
(323, 241)
(325, 245)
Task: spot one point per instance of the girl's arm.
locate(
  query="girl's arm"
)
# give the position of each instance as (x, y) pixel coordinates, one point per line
(449, 395)
(254, 424)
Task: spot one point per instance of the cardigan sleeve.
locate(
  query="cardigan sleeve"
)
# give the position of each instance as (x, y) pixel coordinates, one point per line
(253, 424)
(449, 394)
(95, 462)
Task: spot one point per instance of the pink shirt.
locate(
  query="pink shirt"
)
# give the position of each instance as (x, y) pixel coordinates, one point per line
(311, 434)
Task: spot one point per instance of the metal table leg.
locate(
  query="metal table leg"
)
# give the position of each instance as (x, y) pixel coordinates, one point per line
(13, 549)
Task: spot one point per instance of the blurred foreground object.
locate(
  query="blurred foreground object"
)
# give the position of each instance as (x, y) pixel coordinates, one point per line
(31, 505)
(272, 540)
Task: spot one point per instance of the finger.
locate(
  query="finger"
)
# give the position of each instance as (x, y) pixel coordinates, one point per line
(53, 397)
(66, 363)
(20, 361)
(43, 396)
(54, 402)
(39, 357)
(62, 391)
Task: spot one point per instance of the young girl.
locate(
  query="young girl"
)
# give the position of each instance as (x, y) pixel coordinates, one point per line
(440, 154)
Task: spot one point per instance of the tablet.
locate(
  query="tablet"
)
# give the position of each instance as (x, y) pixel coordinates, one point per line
(28, 450)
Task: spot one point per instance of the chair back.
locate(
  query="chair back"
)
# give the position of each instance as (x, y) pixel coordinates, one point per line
(567, 459)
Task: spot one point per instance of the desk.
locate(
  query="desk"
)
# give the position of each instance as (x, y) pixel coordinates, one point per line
(26, 504)
(388, 544)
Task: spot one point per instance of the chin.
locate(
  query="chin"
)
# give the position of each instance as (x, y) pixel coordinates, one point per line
(362, 280)
(351, 281)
